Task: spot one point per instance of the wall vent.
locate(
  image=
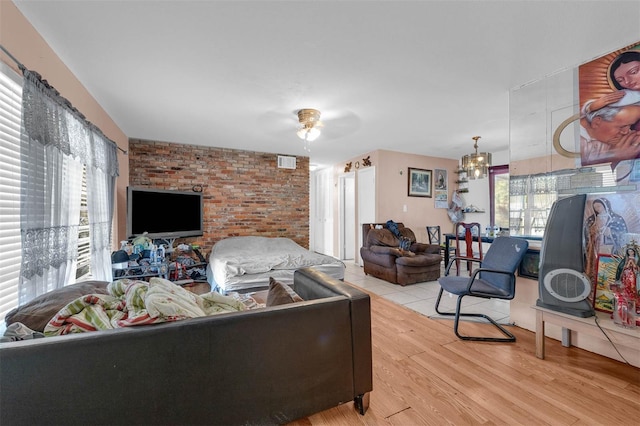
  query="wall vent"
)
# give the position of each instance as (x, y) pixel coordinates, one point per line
(285, 162)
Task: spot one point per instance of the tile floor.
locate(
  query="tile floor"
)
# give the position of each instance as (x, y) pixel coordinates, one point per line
(421, 297)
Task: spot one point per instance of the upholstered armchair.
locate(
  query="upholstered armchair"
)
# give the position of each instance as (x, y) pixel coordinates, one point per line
(384, 259)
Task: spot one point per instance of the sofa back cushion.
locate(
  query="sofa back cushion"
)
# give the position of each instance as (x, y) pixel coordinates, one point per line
(382, 237)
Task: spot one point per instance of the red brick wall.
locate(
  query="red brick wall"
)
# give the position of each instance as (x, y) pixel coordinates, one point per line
(245, 193)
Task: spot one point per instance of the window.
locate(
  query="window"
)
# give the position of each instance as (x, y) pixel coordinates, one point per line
(10, 255)
(10, 239)
(84, 247)
(499, 195)
(531, 196)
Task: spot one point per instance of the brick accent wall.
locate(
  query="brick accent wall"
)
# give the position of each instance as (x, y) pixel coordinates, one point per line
(245, 193)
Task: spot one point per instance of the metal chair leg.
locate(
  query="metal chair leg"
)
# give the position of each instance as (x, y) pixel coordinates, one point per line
(457, 314)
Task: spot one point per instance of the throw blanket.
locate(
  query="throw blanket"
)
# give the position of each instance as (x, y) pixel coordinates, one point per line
(132, 302)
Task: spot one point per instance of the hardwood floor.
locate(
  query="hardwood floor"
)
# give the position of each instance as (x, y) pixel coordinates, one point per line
(424, 375)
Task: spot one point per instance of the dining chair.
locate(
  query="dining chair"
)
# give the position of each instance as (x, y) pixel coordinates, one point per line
(494, 278)
(435, 237)
(465, 233)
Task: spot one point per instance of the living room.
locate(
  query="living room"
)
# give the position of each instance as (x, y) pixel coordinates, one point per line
(238, 179)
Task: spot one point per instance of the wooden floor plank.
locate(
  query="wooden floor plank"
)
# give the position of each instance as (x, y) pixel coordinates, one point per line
(424, 375)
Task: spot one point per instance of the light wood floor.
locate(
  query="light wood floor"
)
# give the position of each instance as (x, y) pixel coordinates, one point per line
(424, 375)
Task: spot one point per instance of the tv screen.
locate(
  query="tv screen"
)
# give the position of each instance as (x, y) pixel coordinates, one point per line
(163, 213)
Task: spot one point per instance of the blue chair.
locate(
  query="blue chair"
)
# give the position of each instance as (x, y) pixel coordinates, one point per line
(495, 278)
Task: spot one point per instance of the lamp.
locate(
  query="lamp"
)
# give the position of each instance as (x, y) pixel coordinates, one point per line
(476, 165)
(309, 125)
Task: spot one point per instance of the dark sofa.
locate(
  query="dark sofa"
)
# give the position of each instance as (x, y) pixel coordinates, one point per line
(264, 366)
(383, 259)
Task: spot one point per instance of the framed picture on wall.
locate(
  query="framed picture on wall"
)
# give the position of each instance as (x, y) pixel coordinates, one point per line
(420, 182)
(440, 181)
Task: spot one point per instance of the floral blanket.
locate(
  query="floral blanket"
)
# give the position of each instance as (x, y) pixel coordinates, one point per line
(132, 302)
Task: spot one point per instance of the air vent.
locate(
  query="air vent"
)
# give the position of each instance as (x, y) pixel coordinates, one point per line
(567, 285)
(285, 162)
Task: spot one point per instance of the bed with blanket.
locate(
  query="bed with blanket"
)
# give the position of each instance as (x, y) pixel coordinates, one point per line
(244, 264)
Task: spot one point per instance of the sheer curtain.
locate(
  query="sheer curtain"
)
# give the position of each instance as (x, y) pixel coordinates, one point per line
(56, 144)
(101, 181)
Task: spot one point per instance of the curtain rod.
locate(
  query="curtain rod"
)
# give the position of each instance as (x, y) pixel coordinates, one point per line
(23, 68)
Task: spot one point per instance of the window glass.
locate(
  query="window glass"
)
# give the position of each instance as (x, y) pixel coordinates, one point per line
(499, 195)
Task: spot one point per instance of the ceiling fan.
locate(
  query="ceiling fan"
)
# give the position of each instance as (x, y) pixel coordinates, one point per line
(306, 123)
(310, 125)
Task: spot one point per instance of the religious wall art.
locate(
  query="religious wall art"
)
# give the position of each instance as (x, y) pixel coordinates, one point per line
(605, 280)
(609, 90)
(611, 222)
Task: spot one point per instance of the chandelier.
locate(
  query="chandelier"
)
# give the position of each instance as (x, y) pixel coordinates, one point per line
(476, 165)
(310, 124)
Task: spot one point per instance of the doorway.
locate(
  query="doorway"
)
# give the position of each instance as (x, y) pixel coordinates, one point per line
(322, 212)
(366, 201)
(347, 222)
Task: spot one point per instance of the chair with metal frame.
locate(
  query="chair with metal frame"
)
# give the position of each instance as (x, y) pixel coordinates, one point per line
(465, 233)
(495, 278)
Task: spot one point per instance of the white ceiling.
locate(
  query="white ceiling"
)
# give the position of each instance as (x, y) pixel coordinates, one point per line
(412, 76)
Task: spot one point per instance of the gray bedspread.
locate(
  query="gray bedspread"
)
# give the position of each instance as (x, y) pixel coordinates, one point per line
(246, 263)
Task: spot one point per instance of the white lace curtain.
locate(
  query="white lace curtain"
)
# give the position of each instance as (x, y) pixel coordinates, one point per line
(56, 142)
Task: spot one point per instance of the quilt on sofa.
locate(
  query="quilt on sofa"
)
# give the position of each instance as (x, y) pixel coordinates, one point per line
(133, 302)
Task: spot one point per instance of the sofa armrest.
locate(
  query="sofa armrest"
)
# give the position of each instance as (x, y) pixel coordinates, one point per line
(384, 250)
(312, 284)
(419, 248)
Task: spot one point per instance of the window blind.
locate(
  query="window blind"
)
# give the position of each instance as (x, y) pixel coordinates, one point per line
(10, 254)
(84, 241)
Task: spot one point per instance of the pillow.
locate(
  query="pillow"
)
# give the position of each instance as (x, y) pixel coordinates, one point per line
(37, 313)
(280, 294)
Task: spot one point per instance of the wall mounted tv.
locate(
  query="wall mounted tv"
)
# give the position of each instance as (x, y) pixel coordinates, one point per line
(164, 213)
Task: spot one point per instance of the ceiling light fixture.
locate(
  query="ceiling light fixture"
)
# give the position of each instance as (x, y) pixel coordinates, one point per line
(309, 125)
(476, 165)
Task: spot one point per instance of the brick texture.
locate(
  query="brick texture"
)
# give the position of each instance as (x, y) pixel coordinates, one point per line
(245, 193)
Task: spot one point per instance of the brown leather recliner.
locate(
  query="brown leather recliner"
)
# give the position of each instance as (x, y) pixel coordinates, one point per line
(383, 258)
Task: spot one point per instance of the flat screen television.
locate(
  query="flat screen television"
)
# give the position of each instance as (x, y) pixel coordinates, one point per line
(164, 213)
